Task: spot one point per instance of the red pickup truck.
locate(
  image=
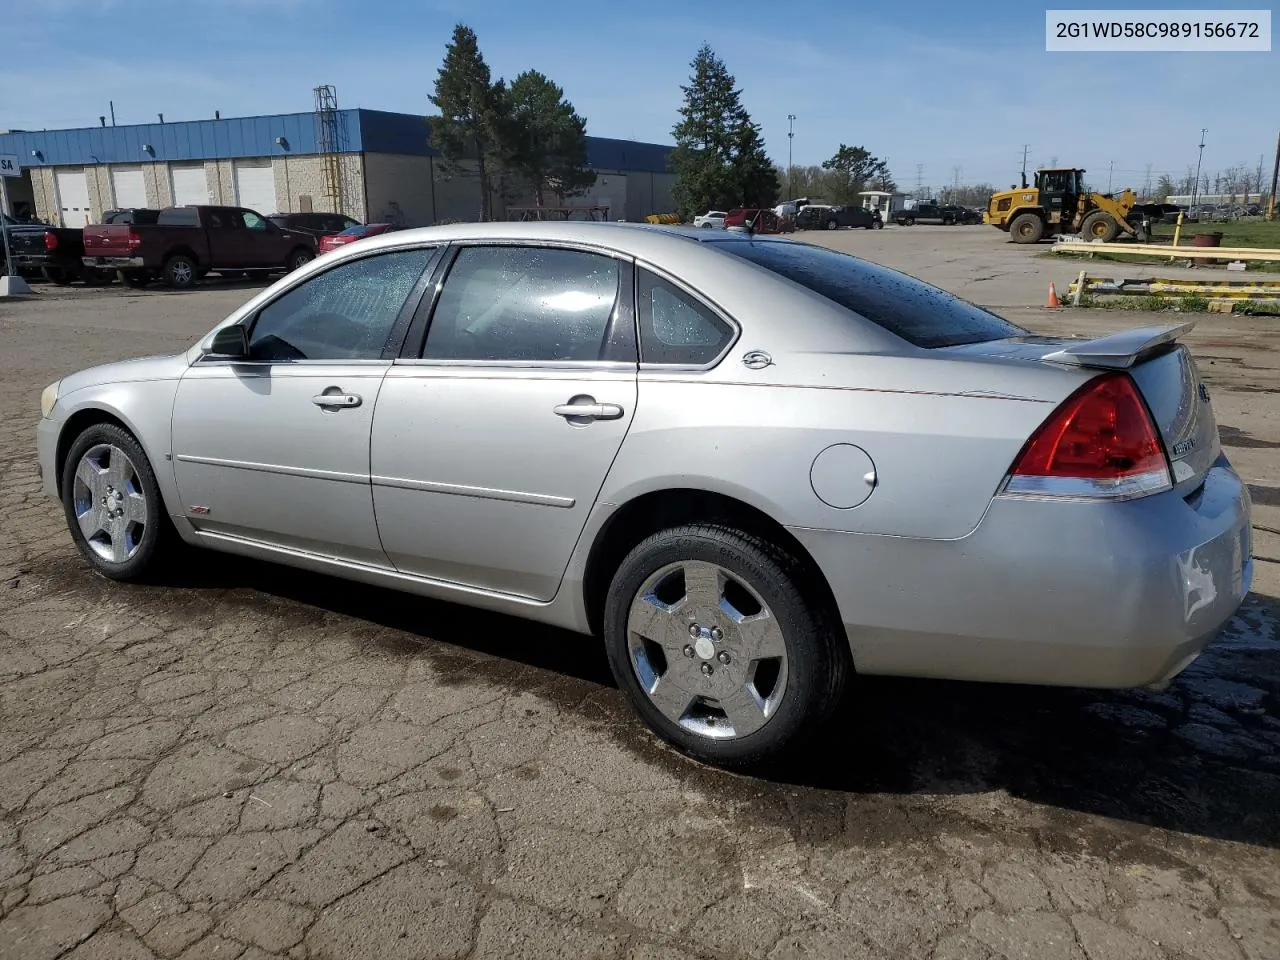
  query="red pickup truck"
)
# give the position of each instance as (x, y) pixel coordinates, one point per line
(185, 243)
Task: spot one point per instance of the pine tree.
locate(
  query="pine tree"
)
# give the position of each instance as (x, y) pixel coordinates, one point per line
(549, 138)
(472, 121)
(719, 159)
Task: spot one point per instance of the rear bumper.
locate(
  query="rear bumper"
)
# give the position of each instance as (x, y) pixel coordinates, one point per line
(114, 263)
(1049, 592)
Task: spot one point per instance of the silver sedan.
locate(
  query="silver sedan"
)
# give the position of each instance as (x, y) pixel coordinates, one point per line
(751, 466)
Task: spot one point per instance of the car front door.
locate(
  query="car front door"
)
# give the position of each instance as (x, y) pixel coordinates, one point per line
(490, 448)
(275, 448)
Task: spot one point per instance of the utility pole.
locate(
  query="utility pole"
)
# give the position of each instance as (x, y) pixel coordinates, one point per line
(791, 134)
(1146, 185)
(1111, 166)
(1025, 148)
(1275, 175)
(1195, 190)
(919, 178)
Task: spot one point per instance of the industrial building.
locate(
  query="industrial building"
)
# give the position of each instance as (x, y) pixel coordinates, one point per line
(370, 164)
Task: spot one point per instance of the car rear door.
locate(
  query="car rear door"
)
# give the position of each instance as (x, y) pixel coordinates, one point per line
(490, 446)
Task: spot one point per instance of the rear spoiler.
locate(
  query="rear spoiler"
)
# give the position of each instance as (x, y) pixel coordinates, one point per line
(1120, 350)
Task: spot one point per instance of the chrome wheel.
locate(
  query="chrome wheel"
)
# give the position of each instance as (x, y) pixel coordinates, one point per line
(707, 650)
(109, 504)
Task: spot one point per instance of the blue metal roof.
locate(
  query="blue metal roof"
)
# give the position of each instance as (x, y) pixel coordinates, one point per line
(186, 140)
(374, 131)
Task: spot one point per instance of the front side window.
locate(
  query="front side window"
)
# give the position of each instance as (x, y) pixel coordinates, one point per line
(511, 303)
(347, 313)
(253, 222)
(674, 327)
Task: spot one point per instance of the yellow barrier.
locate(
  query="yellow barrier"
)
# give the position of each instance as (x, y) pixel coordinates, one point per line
(1173, 253)
(663, 218)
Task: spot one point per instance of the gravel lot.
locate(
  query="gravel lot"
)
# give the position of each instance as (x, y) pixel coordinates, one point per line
(252, 762)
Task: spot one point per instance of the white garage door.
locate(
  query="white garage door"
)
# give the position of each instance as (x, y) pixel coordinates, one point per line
(130, 189)
(189, 184)
(256, 186)
(73, 197)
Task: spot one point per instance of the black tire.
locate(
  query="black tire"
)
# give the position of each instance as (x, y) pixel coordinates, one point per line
(95, 277)
(704, 226)
(1100, 225)
(831, 224)
(132, 278)
(1026, 228)
(158, 536)
(299, 258)
(180, 272)
(818, 662)
(878, 225)
(62, 276)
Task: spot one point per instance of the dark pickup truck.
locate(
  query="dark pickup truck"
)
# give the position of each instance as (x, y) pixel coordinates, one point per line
(54, 252)
(185, 243)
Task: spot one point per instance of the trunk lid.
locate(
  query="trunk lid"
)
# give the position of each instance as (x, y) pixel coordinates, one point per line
(1163, 371)
(108, 240)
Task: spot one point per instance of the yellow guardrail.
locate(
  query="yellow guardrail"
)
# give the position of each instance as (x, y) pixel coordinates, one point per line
(1175, 287)
(1165, 250)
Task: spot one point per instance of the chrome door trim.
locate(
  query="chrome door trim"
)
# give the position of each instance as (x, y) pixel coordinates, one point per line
(482, 493)
(275, 468)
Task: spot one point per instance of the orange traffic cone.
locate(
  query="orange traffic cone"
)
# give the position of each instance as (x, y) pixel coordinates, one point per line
(1053, 297)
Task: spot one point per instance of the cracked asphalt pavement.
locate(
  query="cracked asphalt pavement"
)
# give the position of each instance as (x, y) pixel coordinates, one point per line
(251, 762)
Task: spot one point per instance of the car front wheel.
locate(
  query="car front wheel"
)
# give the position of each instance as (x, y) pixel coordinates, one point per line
(711, 637)
(112, 503)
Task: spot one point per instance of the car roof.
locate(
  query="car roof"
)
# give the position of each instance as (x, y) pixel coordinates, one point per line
(690, 255)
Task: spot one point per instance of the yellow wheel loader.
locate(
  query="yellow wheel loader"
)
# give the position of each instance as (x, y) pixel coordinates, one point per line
(1059, 203)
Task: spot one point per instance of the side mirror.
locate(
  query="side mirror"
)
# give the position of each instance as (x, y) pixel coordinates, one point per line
(229, 343)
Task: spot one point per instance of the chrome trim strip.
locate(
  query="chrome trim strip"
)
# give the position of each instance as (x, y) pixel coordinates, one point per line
(621, 366)
(368, 569)
(482, 493)
(275, 468)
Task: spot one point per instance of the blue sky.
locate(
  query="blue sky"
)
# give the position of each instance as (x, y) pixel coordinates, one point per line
(945, 85)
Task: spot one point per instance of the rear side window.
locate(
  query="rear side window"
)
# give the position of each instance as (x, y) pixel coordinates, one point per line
(675, 328)
(526, 304)
(356, 231)
(179, 217)
(917, 312)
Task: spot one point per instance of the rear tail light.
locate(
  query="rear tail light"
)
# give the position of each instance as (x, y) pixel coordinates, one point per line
(135, 241)
(50, 241)
(1100, 443)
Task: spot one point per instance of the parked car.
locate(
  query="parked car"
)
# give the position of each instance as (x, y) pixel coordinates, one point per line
(357, 232)
(926, 211)
(759, 221)
(965, 215)
(821, 217)
(56, 253)
(186, 242)
(131, 215)
(712, 218)
(316, 224)
(864, 472)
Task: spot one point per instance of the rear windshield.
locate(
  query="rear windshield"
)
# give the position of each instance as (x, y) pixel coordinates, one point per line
(911, 309)
(179, 217)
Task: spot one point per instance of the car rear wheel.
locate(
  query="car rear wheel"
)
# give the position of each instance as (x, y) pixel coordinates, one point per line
(831, 224)
(112, 503)
(62, 276)
(711, 637)
(299, 258)
(180, 271)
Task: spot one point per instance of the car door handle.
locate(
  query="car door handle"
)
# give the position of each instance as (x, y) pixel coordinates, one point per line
(336, 400)
(588, 411)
